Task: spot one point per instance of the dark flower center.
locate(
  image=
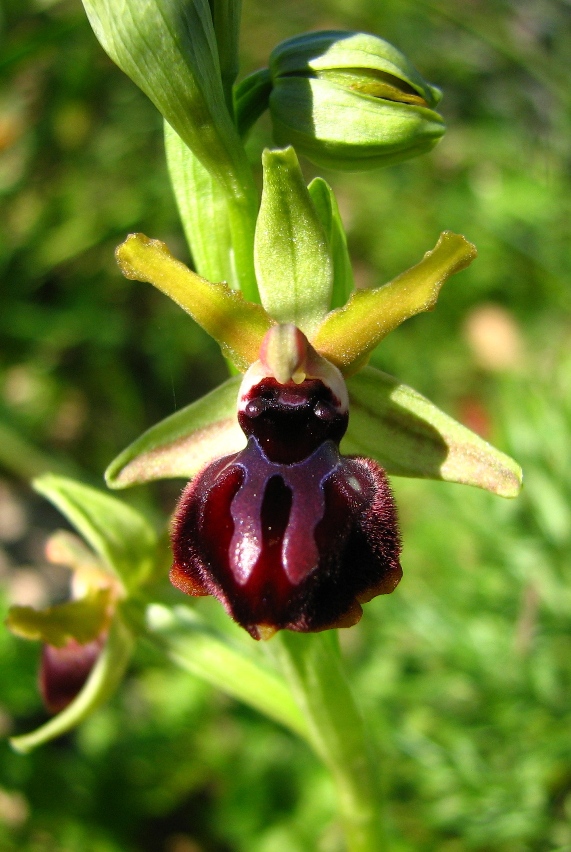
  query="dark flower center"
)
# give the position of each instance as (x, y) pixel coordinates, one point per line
(291, 421)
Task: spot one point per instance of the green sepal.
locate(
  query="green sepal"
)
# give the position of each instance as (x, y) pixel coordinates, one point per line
(340, 128)
(121, 536)
(332, 50)
(83, 620)
(195, 647)
(100, 685)
(409, 436)
(237, 325)
(251, 99)
(325, 204)
(348, 335)
(291, 255)
(169, 50)
(184, 442)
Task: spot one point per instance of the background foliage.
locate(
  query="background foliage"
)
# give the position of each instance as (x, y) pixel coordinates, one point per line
(465, 670)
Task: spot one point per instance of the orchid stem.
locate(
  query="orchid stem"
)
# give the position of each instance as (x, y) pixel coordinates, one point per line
(242, 220)
(312, 664)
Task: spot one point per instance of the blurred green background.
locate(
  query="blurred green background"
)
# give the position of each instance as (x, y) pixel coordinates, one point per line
(465, 670)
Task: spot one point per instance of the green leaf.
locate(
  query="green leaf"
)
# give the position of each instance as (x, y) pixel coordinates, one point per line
(199, 650)
(83, 620)
(348, 335)
(101, 683)
(220, 235)
(409, 436)
(203, 211)
(291, 255)
(169, 50)
(313, 667)
(184, 442)
(237, 325)
(325, 204)
(116, 532)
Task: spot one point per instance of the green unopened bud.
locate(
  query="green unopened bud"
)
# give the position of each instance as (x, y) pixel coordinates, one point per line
(351, 101)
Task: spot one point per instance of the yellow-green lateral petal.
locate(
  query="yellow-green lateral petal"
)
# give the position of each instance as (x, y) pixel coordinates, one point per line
(238, 326)
(349, 334)
(82, 620)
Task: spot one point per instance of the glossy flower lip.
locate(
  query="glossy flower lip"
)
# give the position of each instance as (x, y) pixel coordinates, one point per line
(288, 533)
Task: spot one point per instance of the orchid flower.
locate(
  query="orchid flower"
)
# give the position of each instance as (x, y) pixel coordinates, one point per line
(289, 519)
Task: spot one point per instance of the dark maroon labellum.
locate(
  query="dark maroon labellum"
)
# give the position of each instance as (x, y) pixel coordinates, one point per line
(64, 671)
(288, 533)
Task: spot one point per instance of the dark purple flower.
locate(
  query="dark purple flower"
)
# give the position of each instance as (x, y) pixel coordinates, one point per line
(64, 671)
(288, 533)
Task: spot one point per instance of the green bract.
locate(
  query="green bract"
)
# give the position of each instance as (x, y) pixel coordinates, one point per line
(203, 209)
(351, 101)
(184, 56)
(170, 50)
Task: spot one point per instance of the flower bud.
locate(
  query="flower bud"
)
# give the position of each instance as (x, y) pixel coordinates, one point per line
(351, 101)
(288, 533)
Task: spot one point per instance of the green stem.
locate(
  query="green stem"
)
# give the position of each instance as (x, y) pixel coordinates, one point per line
(242, 219)
(312, 665)
(190, 644)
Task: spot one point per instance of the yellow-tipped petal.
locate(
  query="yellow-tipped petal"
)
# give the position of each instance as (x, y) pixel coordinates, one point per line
(82, 620)
(348, 335)
(237, 325)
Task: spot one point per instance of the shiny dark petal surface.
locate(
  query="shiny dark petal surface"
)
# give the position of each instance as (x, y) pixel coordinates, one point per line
(288, 533)
(314, 539)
